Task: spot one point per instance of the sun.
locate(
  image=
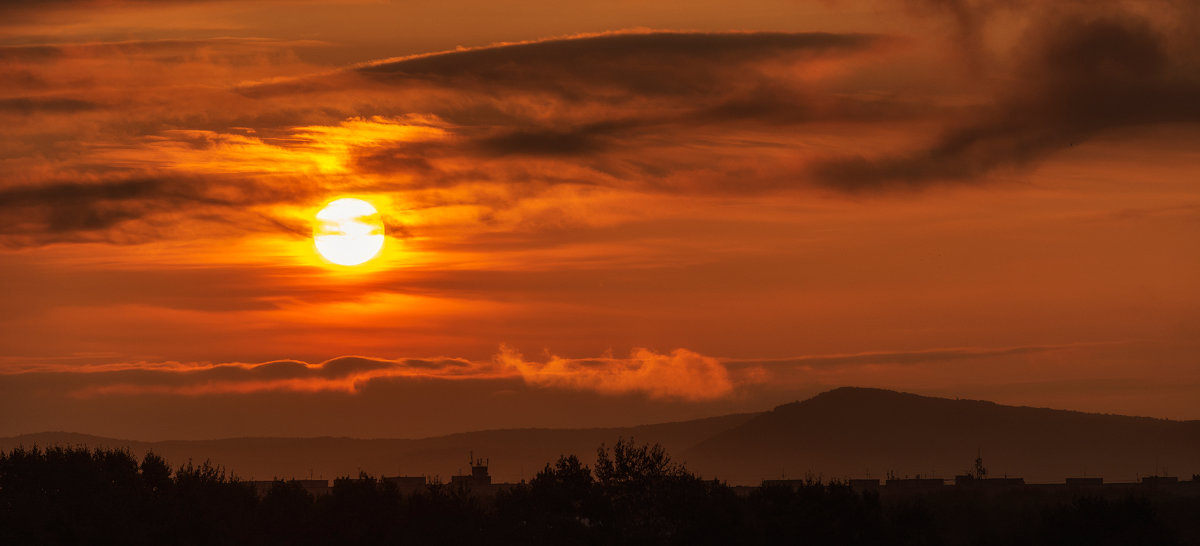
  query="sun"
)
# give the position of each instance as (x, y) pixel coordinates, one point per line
(348, 232)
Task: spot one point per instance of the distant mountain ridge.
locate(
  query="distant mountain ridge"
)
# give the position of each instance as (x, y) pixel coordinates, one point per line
(855, 432)
(846, 432)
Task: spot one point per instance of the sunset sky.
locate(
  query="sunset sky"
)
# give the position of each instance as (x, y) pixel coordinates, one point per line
(596, 213)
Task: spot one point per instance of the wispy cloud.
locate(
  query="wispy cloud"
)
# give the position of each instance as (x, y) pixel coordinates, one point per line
(900, 358)
(583, 111)
(1085, 68)
(632, 112)
(680, 374)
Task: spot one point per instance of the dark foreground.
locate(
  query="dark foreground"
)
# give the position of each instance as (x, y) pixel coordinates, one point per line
(634, 495)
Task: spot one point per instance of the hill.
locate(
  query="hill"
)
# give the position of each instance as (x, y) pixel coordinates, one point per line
(855, 432)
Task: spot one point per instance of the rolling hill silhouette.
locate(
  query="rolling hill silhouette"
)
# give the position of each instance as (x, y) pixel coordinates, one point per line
(846, 432)
(855, 432)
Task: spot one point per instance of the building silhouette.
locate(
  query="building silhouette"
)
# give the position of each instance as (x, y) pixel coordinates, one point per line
(477, 479)
(315, 488)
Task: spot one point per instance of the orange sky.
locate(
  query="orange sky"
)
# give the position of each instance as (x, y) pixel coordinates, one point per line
(597, 213)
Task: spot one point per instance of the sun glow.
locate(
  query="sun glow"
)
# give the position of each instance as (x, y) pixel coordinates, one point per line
(348, 232)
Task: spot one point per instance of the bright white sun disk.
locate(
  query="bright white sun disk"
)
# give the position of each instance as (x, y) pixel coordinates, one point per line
(348, 231)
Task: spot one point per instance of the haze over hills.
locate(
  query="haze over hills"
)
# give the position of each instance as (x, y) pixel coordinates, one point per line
(847, 432)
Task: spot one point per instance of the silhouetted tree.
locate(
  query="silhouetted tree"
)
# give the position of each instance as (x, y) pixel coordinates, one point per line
(636, 495)
(1095, 521)
(814, 513)
(655, 500)
(72, 495)
(911, 522)
(360, 511)
(561, 505)
(209, 507)
(444, 515)
(286, 514)
(156, 473)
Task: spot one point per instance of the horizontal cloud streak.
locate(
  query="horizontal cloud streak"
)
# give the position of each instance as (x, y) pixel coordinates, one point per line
(345, 374)
(893, 357)
(679, 375)
(589, 66)
(638, 63)
(682, 374)
(136, 208)
(31, 105)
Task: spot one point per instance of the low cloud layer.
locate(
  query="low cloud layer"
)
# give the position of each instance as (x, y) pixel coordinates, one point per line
(344, 374)
(680, 374)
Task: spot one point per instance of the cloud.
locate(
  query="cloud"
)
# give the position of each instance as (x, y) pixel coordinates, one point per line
(681, 374)
(134, 208)
(30, 105)
(588, 96)
(1084, 70)
(969, 18)
(30, 54)
(636, 63)
(139, 191)
(343, 374)
(487, 131)
(901, 358)
(574, 141)
(19, 11)
(582, 95)
(216, 51)
(143, 159)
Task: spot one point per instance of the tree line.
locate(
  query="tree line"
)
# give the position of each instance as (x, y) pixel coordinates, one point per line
(633, 494)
